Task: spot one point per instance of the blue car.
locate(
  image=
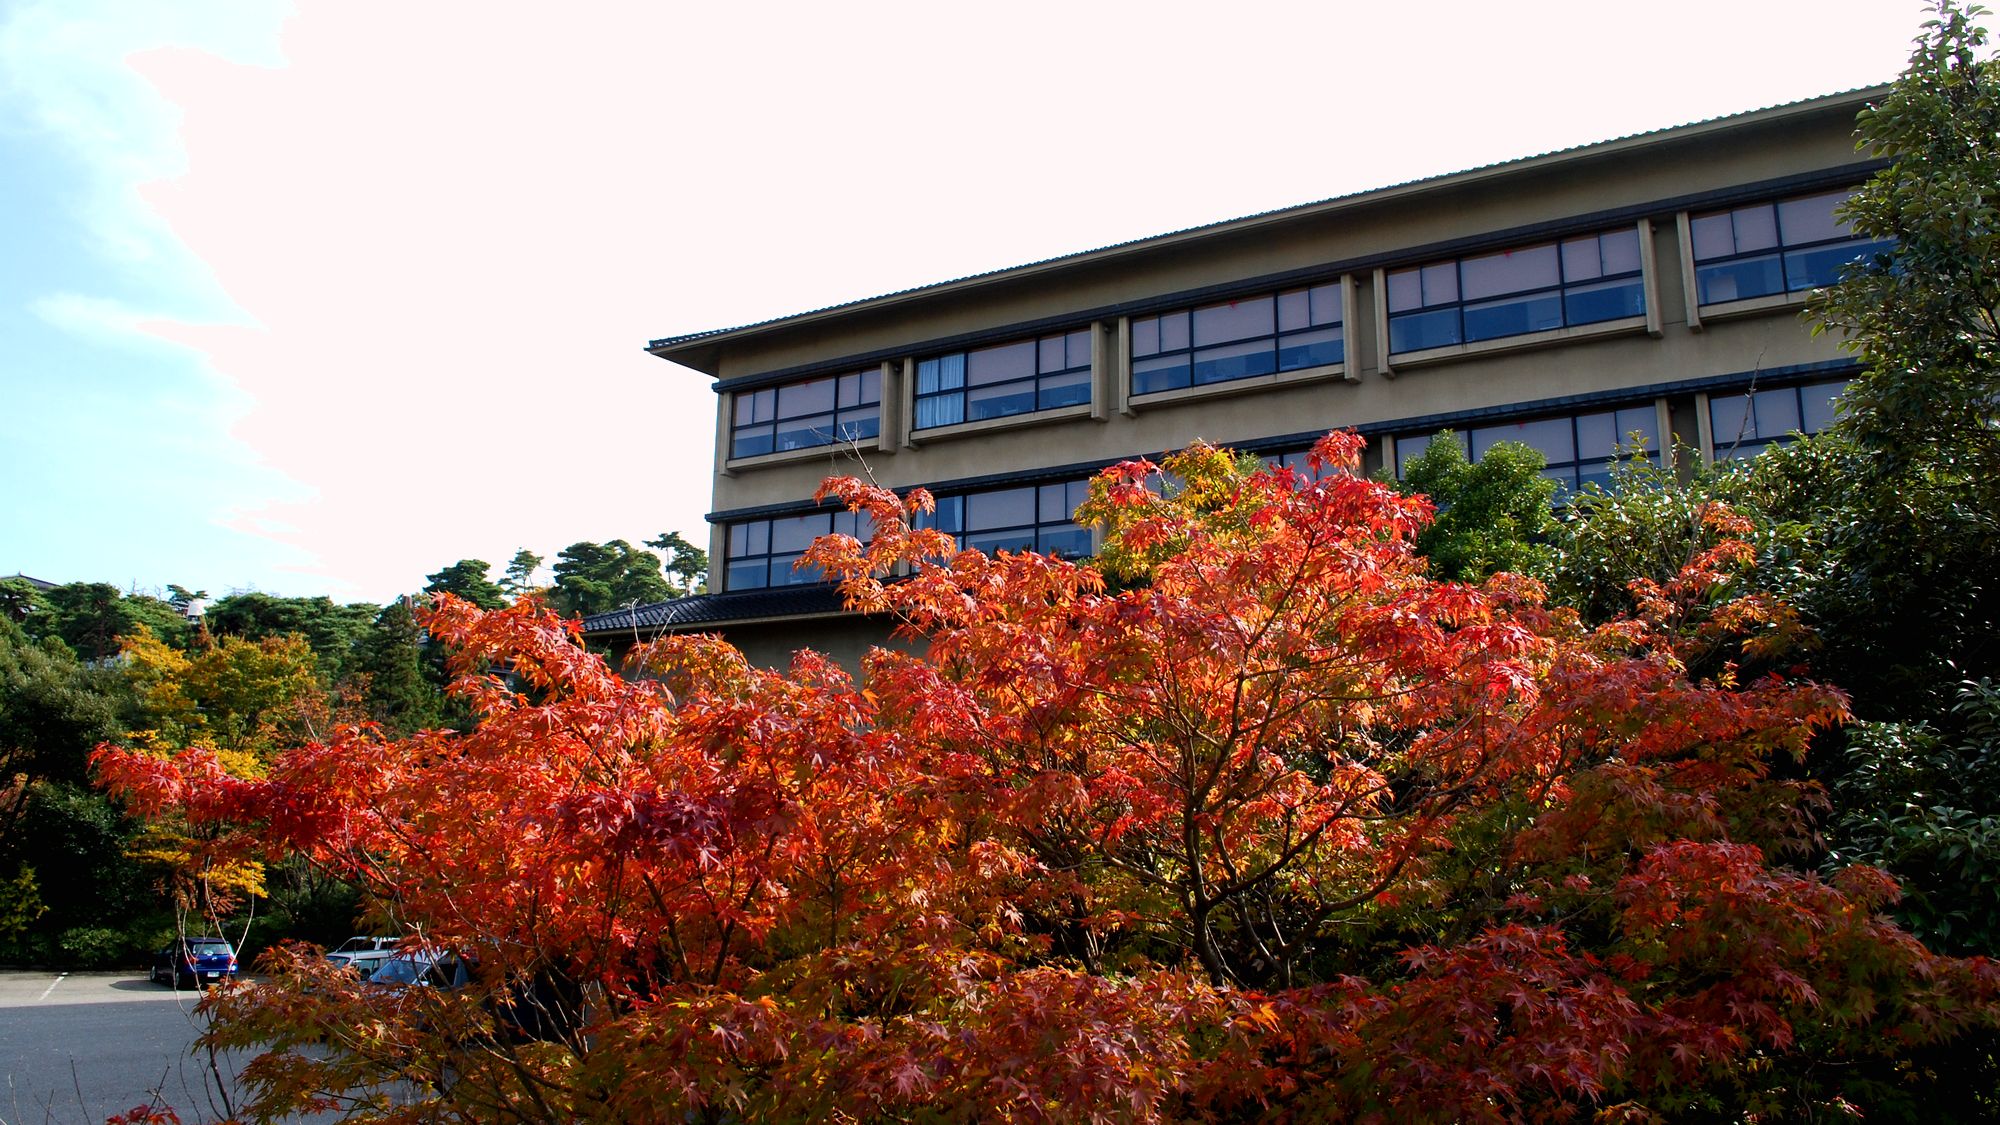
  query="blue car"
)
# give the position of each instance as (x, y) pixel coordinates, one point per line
(188, 962)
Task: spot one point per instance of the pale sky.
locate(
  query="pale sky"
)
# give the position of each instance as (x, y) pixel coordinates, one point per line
(320, 297)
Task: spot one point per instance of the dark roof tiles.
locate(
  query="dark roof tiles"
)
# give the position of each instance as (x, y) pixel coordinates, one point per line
(702, 610)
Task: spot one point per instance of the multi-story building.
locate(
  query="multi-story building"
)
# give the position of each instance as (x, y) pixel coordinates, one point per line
(1649, 286)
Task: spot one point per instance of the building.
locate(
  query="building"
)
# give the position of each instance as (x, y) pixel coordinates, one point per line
(1645, 286)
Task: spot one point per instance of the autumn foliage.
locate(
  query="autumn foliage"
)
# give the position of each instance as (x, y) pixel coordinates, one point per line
(1277, 829)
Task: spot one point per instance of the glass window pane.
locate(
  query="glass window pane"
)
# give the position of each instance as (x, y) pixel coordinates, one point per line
(1441, 283)
(871, 385)
(1512, 271)
(1820, 405)
(1053, 504)
(944, 373)
(1756, 227)
(1235, 320)
(1604, 300)
(746, 408)
(1729, 421)
(1310, 349)
(1326, 307)
(1078, 345)
(1145, 336)
(1000, 401)
(998, 364)
(1063, 390)
(949, 515)
(815, 397)
(1777, 412)
(1811, 219)
(1406, 290)
(796, 533)
(1638, 423)
(1174, 331)
(752, 443)
(1051, 351)
(1013, 507)
(1581, 261)
(1294, 311)
(1417, 331)
(944, 410)
(803, 433)
(748, 575)
(1160, 373)
(1068, 542)
(1713, 237)
(1551, 436)
(1513, 316)
(1736, 281)
(991, 542)
(786, 572)
(1620, 251)
(850, 391)
(1821, 266)
(1596, 435)
(1235, 361)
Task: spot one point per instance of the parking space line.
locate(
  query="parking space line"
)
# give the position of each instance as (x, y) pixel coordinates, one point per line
(51, 987)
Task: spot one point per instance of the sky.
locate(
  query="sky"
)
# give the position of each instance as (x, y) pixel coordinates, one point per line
(318, 297)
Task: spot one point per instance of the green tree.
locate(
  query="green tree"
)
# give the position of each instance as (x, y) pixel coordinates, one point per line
(520, 579)
(1494, 514)
(53, 708)
(18, 599)
(467, 579)
(398, 693)
(596, 578)
(91, 616)
(686, 565)
(333, 630)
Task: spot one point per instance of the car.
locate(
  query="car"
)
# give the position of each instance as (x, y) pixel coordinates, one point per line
(362, 961)
(423, 969)
(190, 961)
(367, 943)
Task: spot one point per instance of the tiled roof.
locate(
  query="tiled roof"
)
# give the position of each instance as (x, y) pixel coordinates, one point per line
(716, 609)
(694, 337)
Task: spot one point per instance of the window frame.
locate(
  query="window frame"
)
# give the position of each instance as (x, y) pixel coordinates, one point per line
(1041, 531)
(1781, 250)
(1039, 383)
(836, 434)
(1573, 466)
(1714, 448)
(1336, 296)
(1562, 290)
(770, 559)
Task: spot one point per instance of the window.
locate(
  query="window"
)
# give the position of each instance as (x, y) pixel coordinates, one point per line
(822, 411)
(1580, 449)
(1742, 426)
(1239, 339)
(1030, 518)
(1017, 378)
(1300, 461)
(1768, 248)
(760, 553)
(1514, 292)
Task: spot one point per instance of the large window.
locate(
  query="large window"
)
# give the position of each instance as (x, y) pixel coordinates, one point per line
(1017, 378)
(1742, 426)
(1767, 248)
(823, 411)
(1580, 449)
(1527, 289)
(760, 553)
(1030, 518)
(1240, 339)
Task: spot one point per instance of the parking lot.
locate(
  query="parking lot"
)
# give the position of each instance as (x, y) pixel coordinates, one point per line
(78, 1047)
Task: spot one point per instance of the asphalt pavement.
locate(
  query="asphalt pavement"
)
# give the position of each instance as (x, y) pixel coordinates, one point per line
(78, 1047)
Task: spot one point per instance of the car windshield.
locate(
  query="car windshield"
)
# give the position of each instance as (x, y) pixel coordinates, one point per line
(208, 947)
(400, 970)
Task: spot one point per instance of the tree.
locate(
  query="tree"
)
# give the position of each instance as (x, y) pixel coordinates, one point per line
(1907, 598)
(398, 693)
(1494, 514)
(596, 578)
(520, 580)
(467, 579)
(1286, 829)
(18, 599)
(90, 617)
(332, 630)
(686, 564)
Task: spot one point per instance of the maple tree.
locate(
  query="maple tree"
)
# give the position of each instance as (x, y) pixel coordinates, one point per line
(1278, 827)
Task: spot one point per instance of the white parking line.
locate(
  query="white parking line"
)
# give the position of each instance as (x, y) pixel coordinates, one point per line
(51, 987)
